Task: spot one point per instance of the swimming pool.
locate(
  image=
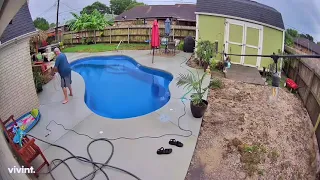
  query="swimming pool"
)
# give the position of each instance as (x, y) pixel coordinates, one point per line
(118, 87)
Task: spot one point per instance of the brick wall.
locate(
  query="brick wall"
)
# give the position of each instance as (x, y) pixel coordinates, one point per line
(17, 92)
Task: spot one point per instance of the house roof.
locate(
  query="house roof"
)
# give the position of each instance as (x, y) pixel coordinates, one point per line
(246, 9)
(179, 11)
(21, 24)
(306, 43)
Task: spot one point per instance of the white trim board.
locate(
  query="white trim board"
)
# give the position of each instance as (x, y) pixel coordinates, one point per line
(239, 18)
(197, 34)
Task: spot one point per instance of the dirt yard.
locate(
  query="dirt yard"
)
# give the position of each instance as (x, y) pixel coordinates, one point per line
(245, 135)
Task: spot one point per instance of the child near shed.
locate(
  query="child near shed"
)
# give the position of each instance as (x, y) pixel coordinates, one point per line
(227, 64)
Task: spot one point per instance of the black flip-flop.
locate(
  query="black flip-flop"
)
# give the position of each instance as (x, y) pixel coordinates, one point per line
(164, 151)
(175, 143)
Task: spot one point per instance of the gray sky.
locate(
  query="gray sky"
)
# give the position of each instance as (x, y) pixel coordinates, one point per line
(303, 15)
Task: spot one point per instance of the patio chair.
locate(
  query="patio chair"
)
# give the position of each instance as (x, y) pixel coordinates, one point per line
(172, 45)
(29, 150)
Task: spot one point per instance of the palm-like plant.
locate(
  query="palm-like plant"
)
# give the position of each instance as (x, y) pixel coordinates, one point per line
(94, 21)
(194, 83)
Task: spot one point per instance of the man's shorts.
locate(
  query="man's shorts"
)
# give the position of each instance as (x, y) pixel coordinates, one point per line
(66, 81)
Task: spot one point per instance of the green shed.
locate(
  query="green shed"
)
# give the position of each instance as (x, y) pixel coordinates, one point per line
(241, 27)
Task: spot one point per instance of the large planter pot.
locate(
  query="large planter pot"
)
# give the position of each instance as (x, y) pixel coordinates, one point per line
(198, 111)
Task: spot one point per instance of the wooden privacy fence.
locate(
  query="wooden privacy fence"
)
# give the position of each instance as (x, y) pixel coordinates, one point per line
(128, 34)
(308, 78)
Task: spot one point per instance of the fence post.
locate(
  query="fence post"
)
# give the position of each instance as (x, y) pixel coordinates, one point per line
(296, 72)
(149, 35)
(173, 32)
(110, 36)
(128, 35)
(309, 85)
(288, 66)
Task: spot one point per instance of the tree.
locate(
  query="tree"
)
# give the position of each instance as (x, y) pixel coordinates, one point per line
(41, 23)
(52, 25)
(288, 39)
(134, 4)
(307, 36)
(119, 6)
(293, 33)
(94, 21)
(100, 7)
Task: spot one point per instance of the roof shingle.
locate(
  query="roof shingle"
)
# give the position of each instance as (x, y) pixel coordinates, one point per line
(180, 11)
(244, 9)
(21, 24)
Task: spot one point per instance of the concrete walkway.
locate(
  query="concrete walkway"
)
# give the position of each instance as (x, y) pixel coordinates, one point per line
(136, 156)
(245, 74)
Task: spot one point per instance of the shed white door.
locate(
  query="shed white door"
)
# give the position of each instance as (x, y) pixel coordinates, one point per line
(243, 38)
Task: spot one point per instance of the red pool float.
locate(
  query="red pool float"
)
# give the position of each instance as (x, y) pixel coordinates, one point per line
(291, 84)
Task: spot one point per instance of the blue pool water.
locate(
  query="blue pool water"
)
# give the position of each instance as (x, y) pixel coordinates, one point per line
(118, 87)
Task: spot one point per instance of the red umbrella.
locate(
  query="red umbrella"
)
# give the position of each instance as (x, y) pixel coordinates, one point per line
(155, 39)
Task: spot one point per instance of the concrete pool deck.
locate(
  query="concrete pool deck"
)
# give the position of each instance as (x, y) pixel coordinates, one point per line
(136, 156)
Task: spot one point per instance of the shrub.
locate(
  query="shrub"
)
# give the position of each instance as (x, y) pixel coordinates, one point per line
(181, 45)
(216, 84)
(38, 80)
(205, 51)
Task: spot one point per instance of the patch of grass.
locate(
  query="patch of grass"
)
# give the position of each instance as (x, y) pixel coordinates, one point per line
(105, 47)
(261, 172)
(273, 155)
(216, 84)
(251, 157)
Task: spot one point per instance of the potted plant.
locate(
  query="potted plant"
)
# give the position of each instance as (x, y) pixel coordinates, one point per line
(205, 53)
(198, 105)
(38, 81)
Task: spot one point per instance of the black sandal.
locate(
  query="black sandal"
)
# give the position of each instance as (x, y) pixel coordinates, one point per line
(175, 143)
(164, 151)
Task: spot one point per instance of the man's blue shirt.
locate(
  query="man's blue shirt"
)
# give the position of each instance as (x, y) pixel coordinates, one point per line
(62, 65)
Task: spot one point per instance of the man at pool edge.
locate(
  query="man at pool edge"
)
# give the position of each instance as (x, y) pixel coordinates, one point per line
(62, 66)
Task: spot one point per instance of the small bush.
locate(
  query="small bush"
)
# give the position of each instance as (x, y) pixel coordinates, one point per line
(216, 84)
(213, 65)
(181, 45)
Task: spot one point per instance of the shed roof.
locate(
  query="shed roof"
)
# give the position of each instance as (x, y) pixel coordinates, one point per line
(179, 11)
(306, 43)
(246, 9)
(21, 24)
